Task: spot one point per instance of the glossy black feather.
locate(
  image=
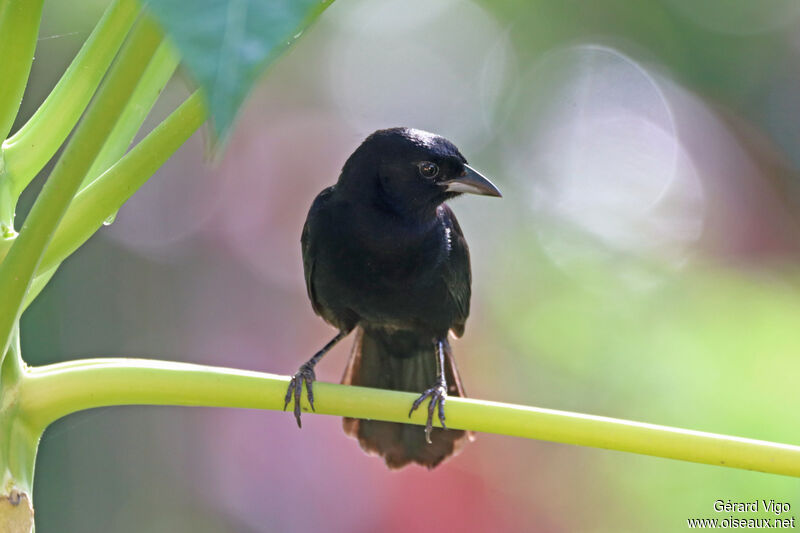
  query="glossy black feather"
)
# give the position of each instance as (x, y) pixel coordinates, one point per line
(383, 253)
(369, 257)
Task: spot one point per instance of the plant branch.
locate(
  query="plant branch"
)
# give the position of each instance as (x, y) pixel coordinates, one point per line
(8, 203)
(117, 92)
(18, 442)
(19, 29)
(117, 89)
(153, 79)
(29, 149)
(105, 195)
(54, 391)
(102, 116)
(18, 268)
(18, 445)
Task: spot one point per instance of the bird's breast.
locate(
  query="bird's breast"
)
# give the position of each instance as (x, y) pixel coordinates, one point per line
(385, 270)
(397, 253)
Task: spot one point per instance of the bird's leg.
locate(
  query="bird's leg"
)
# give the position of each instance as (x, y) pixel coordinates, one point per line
(306, 373)
(437, 393)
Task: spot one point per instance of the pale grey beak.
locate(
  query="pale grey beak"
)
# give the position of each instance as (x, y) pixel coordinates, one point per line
(472, 182)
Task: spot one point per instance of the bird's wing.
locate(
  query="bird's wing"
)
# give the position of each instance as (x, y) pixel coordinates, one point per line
(308, 244)
(457, 274)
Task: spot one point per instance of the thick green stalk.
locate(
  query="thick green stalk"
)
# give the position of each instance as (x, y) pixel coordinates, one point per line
(107, 193)
(5, 245)
(18, 445)
(22, 261)
(29, 149)
(38, 284)
(19, 30)
(7, 205)
(108, 105)
(118, 89)
(51, 392)
(116, 92)
(152, 82)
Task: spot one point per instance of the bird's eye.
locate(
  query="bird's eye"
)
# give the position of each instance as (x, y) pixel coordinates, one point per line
(428, 169)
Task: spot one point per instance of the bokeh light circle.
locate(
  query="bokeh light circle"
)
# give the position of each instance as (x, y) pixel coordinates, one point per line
(600, 160)
(437, 66)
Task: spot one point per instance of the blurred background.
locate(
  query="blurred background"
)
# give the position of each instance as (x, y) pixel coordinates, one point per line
(643, 264)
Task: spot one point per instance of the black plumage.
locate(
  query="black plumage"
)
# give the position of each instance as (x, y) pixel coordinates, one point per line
(385, 256)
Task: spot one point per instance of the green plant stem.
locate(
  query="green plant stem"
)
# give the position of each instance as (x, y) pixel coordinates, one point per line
(18, 442)
(29, 149)
(38, 284)
(19, 29)
(107, 193)
(7, 206)
(18, 446)
(117, 89)
(18, 268)
(140, 100)
(105, 110)
(51, 392)
(5, 245)
(153, 80)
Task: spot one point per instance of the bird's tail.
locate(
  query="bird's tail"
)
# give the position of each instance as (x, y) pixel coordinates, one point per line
(402, 361)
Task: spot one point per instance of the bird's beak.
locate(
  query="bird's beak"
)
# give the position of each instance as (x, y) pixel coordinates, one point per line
(473, 183)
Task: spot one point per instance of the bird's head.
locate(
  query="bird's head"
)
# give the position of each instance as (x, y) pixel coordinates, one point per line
(411, 170)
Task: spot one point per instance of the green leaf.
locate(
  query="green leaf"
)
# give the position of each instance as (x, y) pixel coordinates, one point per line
(226, 44)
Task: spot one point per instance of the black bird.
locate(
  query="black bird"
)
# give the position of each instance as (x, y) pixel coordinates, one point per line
(385, 256)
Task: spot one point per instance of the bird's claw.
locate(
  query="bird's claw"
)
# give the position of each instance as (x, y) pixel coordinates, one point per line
(438, 395)
(305, 374)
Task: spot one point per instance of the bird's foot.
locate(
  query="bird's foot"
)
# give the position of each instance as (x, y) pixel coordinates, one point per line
(438, 395)
(306, 373)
